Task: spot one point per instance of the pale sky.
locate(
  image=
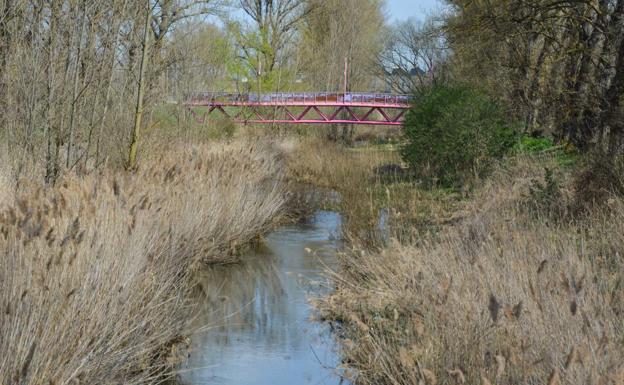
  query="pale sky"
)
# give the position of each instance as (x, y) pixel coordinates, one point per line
(404, 9)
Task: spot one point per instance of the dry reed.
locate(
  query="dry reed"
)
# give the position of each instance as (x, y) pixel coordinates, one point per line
(94, 272)
(503, 297)
(375, 190)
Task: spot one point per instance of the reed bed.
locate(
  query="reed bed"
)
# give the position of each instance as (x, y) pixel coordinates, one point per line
(507, 295)
(94, 273)
(377, 196)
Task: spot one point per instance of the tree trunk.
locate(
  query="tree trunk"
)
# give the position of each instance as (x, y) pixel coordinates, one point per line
(72, 116)
(614, 104)
(51, 161)
(134, 144)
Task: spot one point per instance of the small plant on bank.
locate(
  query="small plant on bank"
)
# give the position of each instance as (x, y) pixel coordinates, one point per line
(533, 145)
(566, 154)
(545, 197)
(453, 133)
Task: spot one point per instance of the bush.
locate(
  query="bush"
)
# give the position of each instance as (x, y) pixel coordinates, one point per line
(545, 197)
(453, 133)
(600, 178)
(532, 145)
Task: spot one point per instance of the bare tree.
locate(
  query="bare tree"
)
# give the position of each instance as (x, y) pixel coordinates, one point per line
(65, 65)
(274, 25)
(413, 55)
(339, 30)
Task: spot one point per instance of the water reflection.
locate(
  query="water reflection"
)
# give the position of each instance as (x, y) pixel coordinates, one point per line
(261, 330)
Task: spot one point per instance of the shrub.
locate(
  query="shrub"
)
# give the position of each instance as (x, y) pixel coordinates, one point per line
(453, 133)
(600, 177)
(565, 152)
(545, 197)
(532, 145)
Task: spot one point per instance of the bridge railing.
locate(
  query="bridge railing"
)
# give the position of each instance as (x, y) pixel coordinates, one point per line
(303, 97)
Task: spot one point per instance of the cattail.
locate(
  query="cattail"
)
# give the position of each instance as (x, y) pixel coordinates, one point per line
(573, 307)
(517, 310)
(28, 360)
(493, 307)
(458, 375)
(500, 367)
(71, 292)
(429, 376)
(554, 378)
(578, 284)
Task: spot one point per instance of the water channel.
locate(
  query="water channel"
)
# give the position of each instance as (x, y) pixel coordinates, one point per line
(261, 328)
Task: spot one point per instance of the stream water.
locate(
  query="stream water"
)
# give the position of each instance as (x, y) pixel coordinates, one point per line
(262, 329)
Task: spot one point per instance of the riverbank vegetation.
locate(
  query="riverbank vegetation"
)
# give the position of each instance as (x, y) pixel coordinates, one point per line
(95, 271)
(484, 239)
(517, 290)
(523, 283)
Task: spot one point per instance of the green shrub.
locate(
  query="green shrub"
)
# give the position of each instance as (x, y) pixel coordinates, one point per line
(567, 155)
(453, 133)
(532, 145)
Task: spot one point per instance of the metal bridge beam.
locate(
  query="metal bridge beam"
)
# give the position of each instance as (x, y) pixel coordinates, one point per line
(263, 109)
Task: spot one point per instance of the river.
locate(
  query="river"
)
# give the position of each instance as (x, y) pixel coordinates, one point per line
(261, 329)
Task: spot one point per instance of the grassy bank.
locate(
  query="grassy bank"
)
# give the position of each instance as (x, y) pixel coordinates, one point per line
(515, 289)
(94, 272)
(373, 185)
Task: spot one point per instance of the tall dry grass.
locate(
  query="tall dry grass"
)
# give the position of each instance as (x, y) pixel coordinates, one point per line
(508, 295)
(377, 196)
(94, 273)
(6, 186)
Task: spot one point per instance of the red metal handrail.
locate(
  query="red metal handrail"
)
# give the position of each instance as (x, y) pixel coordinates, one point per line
(304, 97)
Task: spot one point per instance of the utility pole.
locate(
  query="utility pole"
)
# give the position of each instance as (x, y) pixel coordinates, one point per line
(346, 70)
(259, 77)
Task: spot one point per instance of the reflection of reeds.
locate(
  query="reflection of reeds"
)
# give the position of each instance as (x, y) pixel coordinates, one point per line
(94, 272)
(263, 297)
(237, 297)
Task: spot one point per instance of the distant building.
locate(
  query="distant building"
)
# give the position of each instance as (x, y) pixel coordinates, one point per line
(404, 81)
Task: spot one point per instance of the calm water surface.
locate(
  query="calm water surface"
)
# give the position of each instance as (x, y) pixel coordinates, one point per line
(261, 324)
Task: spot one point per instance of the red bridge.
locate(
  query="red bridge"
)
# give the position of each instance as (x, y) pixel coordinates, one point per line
(302, 108)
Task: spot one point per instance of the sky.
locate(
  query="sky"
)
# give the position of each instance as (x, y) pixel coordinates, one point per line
(404, 9)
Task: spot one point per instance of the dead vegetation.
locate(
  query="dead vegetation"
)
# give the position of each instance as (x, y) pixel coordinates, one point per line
(94, 272)
(378, 198)
(502, 297)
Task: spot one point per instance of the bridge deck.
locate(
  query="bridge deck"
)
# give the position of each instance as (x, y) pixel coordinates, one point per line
(299, 99)
(320, 107)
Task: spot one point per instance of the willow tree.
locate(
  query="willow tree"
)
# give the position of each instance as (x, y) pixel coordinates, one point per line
(267, 36)
(339, 29)
(336, 31)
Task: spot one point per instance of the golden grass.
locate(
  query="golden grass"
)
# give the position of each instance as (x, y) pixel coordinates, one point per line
(369, 193)
(6, 186)
(505, 296)
(94, 272)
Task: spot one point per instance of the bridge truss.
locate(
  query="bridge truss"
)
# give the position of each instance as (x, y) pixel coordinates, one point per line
(301, 108)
